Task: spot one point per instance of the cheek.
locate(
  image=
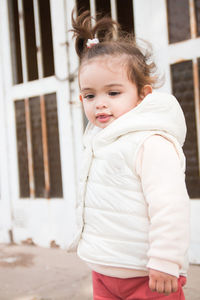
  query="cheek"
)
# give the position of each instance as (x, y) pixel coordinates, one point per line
(88, 110)
(124, 107)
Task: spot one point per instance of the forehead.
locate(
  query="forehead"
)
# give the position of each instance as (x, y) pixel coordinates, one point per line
(106, 60)
(103, 66)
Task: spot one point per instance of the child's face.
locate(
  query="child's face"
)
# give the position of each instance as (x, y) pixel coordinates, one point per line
(106, 91)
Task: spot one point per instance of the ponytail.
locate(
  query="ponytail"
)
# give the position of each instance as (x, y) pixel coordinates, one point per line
(105, 29)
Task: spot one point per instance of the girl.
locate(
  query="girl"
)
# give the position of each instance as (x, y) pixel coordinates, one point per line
(133, 209)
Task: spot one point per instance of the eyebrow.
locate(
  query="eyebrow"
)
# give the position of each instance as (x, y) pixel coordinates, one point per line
(86, 89)
(113, 84)
(106, 86)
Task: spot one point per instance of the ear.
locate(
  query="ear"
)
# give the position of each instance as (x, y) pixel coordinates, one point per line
(147, 89)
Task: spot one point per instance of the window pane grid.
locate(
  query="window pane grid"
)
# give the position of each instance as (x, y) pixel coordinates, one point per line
(22, 41)
(46, 38)
(115, 8)
(183, 88)
(31, 40)
(178, 20)
(183, 20)
(125, 15)
(53, 146)
(22, 148)
(38, 147)
(197, 14)
(15, 42)
(82, 5)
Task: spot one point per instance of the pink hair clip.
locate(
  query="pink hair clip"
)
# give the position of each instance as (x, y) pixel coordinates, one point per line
(90, 43)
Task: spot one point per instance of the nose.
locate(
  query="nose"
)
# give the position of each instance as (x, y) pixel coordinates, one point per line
(101, 103)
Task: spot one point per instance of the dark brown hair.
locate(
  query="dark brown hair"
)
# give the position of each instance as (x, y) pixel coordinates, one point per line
(114, 42)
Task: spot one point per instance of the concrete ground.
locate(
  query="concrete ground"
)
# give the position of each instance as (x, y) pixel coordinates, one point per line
(35, 273)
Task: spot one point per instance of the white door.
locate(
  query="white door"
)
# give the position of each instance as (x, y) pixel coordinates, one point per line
(5, 205)
(41, 107)
(173, 28)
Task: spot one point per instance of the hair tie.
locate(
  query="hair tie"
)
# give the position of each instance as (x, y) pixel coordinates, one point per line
(90, 43)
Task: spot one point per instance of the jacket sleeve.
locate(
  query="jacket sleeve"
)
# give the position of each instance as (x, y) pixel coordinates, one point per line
(163, 183)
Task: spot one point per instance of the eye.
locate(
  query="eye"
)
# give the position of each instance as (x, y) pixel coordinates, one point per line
(113, 93)
(88, 96)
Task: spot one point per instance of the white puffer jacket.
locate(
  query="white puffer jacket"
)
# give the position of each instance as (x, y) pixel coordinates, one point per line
(112, 212)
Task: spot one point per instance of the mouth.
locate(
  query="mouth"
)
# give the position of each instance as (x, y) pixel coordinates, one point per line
(103, 118)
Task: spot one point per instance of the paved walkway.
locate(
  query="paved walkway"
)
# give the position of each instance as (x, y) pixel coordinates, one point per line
(34, 273)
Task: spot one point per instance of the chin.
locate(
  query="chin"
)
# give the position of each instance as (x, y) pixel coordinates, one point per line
(103, 125)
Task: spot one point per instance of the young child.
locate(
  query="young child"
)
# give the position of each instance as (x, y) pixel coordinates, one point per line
(133, 210)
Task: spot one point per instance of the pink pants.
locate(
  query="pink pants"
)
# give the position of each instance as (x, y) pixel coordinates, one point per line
(107, 288)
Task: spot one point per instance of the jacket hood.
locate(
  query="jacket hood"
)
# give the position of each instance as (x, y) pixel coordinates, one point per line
(157, 112)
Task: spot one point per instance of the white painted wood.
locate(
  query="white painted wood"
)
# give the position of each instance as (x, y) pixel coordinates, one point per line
(34, 88)
(64, 113)
(38, 39)
(12, 161)
(40, 219)
(43, 221)
(76, 105)
(151, 25)
(6, 150)
(186, 50)
(194, 253)
(59, 39)
(113, 5)
(5, 205)
(93, 9)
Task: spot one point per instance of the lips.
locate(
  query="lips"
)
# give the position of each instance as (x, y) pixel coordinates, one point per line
(103, 117)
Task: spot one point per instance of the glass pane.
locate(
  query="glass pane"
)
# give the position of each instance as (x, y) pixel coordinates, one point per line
(46, 36)
(82, 5)
(125, 15)
(197, 9)
(183, 89)
(36, 132)
(103, 8)
(31, 51)
(178, 20)
(15, 41)
(22, 149)
(53, 146)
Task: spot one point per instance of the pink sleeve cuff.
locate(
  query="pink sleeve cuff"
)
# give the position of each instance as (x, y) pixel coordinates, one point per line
(163, 266)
